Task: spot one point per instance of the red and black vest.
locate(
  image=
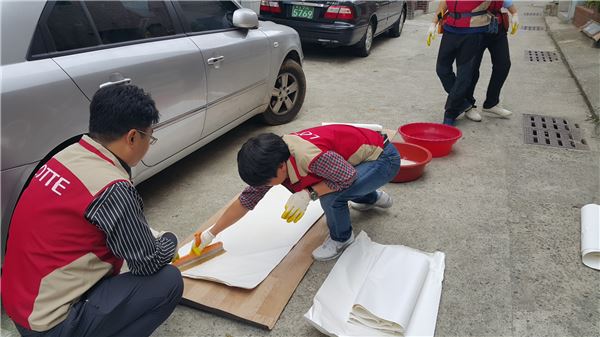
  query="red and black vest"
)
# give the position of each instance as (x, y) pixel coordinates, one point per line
(54, 255)
(467, 13)
(356, 145)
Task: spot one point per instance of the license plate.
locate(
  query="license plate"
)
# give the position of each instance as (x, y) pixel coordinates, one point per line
(304, 12)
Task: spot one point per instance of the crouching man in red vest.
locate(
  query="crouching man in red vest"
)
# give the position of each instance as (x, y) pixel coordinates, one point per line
(335, 163)
(76, 222)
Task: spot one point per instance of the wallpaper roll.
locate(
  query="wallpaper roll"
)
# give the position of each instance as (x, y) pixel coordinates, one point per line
(590, 235)
(374, 127)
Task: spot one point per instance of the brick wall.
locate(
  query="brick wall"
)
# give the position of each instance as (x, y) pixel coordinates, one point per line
(416, 5)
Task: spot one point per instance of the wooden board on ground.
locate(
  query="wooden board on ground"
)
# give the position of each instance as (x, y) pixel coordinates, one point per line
(262, 305)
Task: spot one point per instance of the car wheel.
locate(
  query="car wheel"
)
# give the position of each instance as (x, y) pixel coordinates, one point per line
(396, 29)
(287, 96)
(363, 47)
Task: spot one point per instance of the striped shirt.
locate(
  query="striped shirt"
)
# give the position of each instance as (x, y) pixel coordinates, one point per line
(119, 213)
(337, 173)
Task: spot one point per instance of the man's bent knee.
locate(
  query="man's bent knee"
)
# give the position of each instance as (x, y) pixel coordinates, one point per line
(170, 279)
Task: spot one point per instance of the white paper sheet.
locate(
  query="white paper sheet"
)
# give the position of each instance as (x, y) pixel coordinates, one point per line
(374, 127)
(373, 308)
(256, 243)
(590, 235)
(373, 274)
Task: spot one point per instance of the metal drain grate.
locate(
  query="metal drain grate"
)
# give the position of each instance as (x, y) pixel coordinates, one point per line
(553, 131)
(533, 14)
(541, 56)
(537, 28)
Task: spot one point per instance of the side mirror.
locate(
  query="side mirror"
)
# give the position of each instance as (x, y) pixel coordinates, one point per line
(245, 18)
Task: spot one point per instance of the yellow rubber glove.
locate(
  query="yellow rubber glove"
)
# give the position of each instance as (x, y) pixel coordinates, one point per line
(431, 32)
(296, 206)
(514, 24)
(201, 240)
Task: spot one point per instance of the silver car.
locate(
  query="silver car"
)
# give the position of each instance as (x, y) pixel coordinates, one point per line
(209, 65)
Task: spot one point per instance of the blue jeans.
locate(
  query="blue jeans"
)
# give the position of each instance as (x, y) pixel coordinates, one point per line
(370, 176)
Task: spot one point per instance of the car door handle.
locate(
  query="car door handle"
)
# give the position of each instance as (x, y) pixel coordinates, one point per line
(122, 81)
(215, 60)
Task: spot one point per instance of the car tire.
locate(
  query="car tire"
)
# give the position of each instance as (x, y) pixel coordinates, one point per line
(396, 29)
(287, 95)
(363, 47)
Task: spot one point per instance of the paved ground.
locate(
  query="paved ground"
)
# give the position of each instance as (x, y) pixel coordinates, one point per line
(506, 214)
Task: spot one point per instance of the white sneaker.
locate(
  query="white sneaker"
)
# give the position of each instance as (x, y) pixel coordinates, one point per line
(331, 249)
(498, 110)
(383, 201)
(473, 115)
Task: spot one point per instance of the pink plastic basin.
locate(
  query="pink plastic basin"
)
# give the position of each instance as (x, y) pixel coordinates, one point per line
(437, 138)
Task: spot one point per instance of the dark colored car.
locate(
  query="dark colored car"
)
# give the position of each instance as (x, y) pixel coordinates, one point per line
(338, 23)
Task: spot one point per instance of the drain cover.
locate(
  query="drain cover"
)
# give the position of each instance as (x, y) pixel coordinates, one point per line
(532, 14)
(533, 28)
(553, 131)
(541, 56)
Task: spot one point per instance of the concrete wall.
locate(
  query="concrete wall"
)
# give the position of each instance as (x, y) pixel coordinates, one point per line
(566, 9)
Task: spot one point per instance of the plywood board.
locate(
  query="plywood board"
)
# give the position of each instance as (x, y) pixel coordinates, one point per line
(262, 305)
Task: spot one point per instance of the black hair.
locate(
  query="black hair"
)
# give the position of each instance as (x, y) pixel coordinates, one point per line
(259, 158)
(116, 109)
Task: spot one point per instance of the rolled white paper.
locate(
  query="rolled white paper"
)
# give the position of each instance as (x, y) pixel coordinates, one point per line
(590, 235)
(374, 127)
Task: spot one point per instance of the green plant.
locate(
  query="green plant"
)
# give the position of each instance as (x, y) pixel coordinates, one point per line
(593, 4)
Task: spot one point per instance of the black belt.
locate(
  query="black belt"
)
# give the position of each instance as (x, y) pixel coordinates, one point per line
(456, 15)
(386, 141)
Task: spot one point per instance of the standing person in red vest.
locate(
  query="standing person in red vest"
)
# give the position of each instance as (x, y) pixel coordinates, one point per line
(75, 223)
(464, 25)
(336, 164)
(497, 44)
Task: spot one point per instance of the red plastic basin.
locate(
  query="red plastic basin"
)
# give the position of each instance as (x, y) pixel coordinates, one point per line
(418, 154)
(437, 138)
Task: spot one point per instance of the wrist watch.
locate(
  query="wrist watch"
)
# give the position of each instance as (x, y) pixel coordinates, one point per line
(312, 193)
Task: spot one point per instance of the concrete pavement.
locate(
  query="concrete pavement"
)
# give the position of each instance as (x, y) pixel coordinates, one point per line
(505, 213)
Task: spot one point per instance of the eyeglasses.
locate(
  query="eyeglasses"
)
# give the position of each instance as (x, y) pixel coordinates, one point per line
(153, 139)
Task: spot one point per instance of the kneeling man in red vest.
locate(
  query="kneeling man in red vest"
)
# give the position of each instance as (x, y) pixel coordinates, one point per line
(338, 164)
(76, 222)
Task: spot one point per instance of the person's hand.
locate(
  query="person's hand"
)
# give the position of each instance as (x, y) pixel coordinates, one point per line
(514, 24)
(202, 240)
(296, 206)
(431, 32)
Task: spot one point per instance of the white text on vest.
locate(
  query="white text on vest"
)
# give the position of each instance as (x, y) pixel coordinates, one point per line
(46, 172)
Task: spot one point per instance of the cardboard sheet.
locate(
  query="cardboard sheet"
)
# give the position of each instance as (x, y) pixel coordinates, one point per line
(590, 235)
(377, 290)
(256, 244)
